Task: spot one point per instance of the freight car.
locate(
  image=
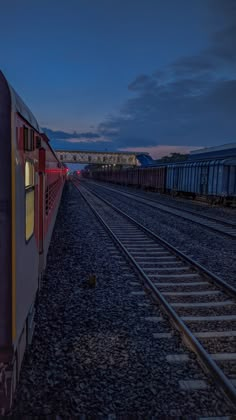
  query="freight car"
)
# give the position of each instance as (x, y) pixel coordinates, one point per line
(148, 178)
(208, 174)
(31, 184)
(215, 180)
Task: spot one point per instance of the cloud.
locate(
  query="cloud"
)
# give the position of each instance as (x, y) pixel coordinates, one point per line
(80, 141)
(225, 9)
(88, 140)
(142, 82)
(223, 47)
(63, 135)
(184, 112)
(156, 152)
(191, 102)
(219, 56)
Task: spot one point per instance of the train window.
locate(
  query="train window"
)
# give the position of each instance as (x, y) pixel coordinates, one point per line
(29, 214)
(38, 142)
(29, 174)
(28, 139)
(29, 199)
(31, 139)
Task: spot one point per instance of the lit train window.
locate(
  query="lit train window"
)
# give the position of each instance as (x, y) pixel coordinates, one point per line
(29, 174)
(29, 214)
(29, 199)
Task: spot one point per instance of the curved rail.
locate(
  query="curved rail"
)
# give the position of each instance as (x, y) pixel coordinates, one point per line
(190, 338)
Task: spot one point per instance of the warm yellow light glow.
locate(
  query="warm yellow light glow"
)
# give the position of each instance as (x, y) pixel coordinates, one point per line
(29, 214)
(29, 199)
(29, 174)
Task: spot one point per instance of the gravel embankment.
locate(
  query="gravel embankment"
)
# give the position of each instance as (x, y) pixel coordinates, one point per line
(214, 251)
(228, 213)
(93, 352)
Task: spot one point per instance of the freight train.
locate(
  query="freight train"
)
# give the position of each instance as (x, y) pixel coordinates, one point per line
(31, 184)
(209, 174)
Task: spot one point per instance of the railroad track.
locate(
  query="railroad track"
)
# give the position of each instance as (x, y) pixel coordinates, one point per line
(199, 304)
(215, 224)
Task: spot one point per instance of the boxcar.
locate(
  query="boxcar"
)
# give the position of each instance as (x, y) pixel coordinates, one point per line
(213, 179)
(153, 178)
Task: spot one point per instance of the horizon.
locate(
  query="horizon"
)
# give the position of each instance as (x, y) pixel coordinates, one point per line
(145, 76)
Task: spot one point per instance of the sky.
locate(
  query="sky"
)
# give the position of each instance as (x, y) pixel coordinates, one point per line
(137, 75)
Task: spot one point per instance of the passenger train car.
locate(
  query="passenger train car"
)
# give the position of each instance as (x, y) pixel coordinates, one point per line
(209, 174)
(31, 184)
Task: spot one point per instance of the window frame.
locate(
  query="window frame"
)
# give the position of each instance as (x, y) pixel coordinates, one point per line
(31, 139)
(28, 138)
(29, 189)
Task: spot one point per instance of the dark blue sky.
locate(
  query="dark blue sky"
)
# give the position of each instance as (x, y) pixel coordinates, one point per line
(113, 74)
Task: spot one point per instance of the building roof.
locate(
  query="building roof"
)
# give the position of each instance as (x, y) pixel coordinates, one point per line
(220, 152)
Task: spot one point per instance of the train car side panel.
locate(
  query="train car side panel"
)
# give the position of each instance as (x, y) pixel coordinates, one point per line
(5, 220)
(27, 258)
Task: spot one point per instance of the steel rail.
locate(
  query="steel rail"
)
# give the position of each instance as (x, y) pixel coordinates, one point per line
(204, 358)
(198, 214)
(146, 201)
(210, 276)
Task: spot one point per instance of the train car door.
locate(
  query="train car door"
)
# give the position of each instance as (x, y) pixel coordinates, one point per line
(42, 160)
(204, 180)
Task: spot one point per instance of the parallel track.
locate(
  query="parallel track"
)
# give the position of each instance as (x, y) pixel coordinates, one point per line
(200, 305)
(215, 224)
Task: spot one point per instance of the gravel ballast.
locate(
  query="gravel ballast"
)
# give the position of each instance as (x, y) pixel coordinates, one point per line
(227, 213)
(214, 251)
(94, 351)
